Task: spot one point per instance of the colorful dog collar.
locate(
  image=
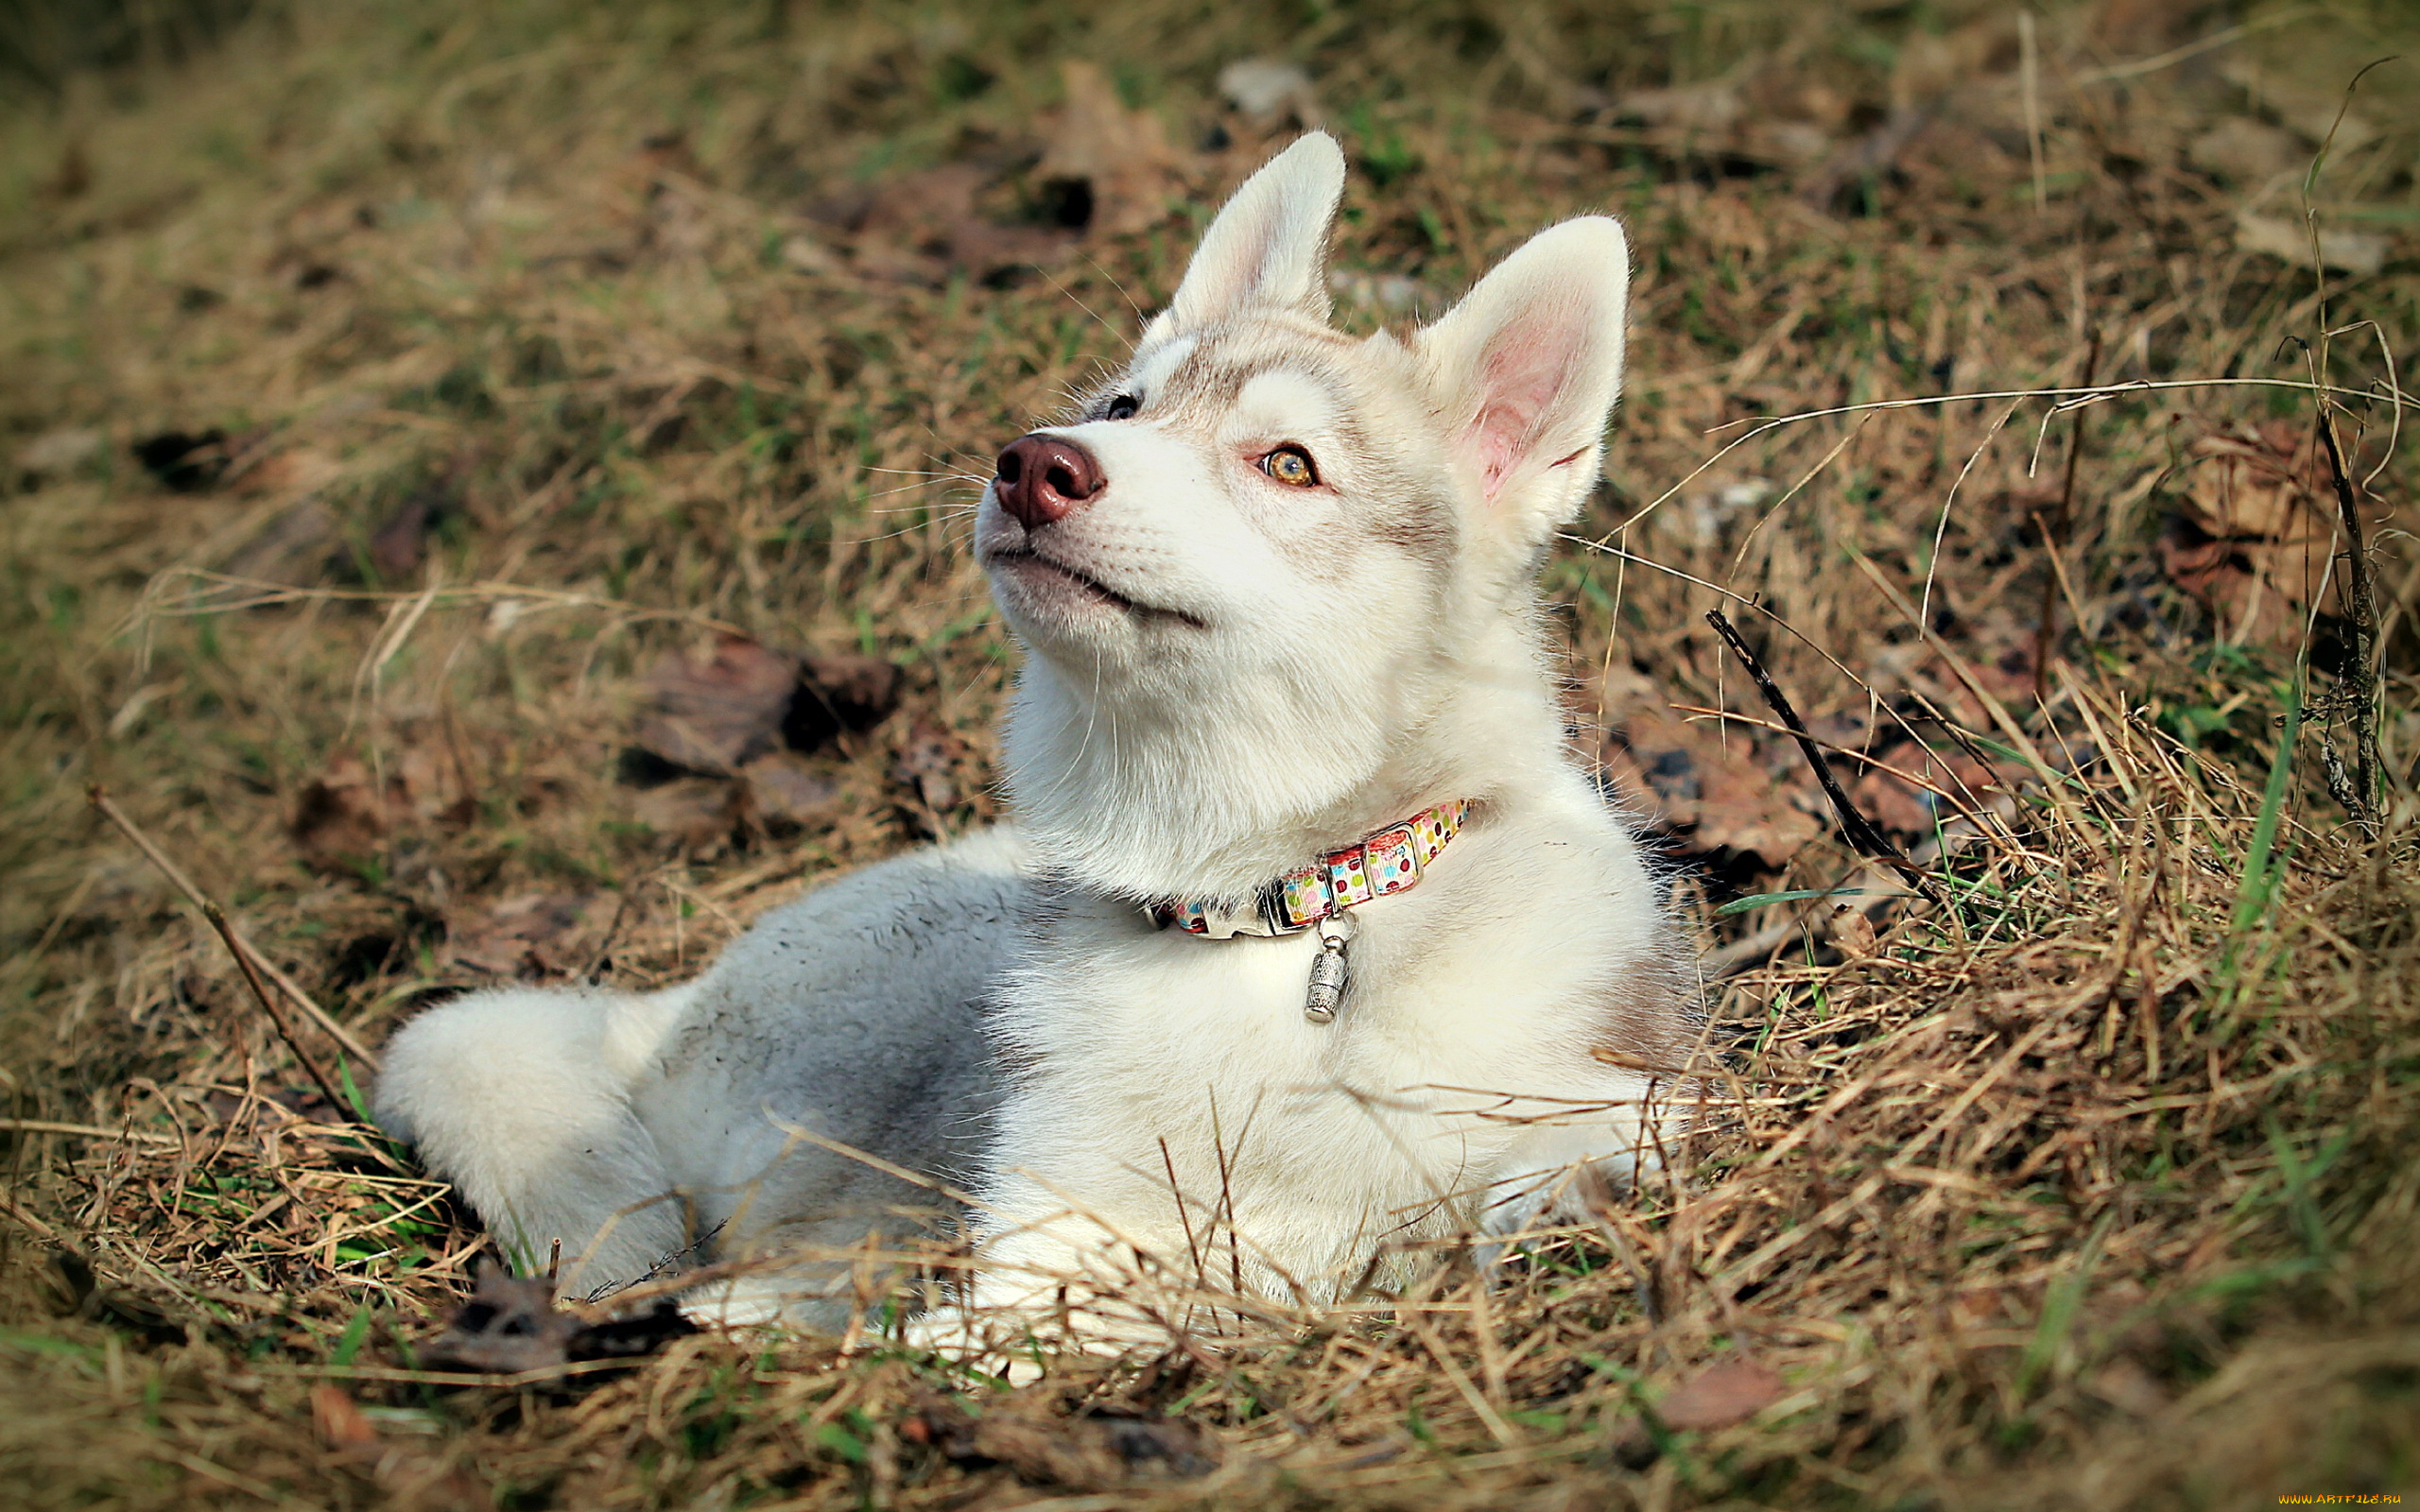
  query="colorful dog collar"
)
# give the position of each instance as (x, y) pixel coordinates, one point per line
(1390, 861)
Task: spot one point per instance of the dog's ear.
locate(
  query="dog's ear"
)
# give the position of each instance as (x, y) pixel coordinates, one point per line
(1529, 365)
(1268, 245)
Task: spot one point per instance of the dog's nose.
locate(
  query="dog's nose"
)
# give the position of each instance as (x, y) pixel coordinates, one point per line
(1044, 478)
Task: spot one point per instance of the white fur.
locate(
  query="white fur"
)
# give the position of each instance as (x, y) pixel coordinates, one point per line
(1254, 675)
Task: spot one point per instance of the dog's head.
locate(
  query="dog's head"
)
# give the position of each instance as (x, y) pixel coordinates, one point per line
(1256, 566)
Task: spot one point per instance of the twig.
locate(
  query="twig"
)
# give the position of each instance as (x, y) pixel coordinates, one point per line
(268, 1006)
(88, 1131)
(2054, 531)
(2030, 70)
(1855, 827)
(236, 943)
(1192, 1247)
(2358, 590)
(33, 1225)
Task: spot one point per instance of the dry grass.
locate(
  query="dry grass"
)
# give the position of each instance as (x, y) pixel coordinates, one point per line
(2090, 1185)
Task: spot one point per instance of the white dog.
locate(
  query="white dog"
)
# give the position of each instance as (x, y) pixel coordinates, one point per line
(1310, 943)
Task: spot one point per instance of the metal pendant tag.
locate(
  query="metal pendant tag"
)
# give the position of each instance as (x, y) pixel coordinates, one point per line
(1327, 972)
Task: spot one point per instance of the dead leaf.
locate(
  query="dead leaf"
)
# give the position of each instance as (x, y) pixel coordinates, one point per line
(1730, 1391)
(839, 694)
(2253, 535)
(929, 759)
(1118, 160)
(782, 791)
(1978, 1307)
(1852, 932)
(2241, 150)
(410, 1479)
(1721, 795)
(343, 1426)
(1089, 1452)
(511, 1325)
(920, 227)
(2353, 252)
(696, 815)
(716, 713)
(532, 938)
(344, 815)
(1907, 810)
(397, 546)
(341, 816)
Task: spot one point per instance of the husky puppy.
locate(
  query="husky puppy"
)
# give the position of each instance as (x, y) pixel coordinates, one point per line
(1309, 944)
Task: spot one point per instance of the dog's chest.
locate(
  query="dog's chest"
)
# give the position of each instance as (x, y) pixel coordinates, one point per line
(1131, 1038)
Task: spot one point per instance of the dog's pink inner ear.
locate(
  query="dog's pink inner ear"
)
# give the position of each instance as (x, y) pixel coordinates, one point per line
(1524, 378)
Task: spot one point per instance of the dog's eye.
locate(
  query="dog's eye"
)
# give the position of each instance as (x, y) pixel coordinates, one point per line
(1291, 466)
(1123, 408)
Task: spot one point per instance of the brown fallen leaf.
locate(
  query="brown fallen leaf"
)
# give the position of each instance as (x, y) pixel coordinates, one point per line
(343, 1426)
(511, 1325)
(1117, 160)
(920, 227)
(1720, 795)
(695, 813)
(341, 815)
(532, 938)
(344, 815)
(399, 543)
(715, 713)
(1906, 810)
(1727, 1392)
(839, 694)
(409, 1478)
(1852, 932)
(2250, 535)
(1085, 1454)
(782, 791)
(930, 757)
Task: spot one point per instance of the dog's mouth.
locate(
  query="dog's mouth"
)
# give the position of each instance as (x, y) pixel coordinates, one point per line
(1026, 559)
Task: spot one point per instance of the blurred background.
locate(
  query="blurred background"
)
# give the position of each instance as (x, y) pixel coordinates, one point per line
(486, 487)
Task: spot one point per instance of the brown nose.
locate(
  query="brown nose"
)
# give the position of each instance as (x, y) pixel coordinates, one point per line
(1043, 478)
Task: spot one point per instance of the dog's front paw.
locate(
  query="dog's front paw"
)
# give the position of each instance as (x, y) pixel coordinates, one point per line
(993, 1344)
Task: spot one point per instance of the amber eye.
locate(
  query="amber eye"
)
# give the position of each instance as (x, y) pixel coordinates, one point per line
(1291, 466)
(1123, 408)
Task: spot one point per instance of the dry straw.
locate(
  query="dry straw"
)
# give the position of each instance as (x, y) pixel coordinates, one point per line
(551, 341)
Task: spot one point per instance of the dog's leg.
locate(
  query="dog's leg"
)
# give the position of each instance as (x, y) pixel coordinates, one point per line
(522, 1099)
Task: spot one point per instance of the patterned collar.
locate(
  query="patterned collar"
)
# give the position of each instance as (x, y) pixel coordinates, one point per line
(1390, 861)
